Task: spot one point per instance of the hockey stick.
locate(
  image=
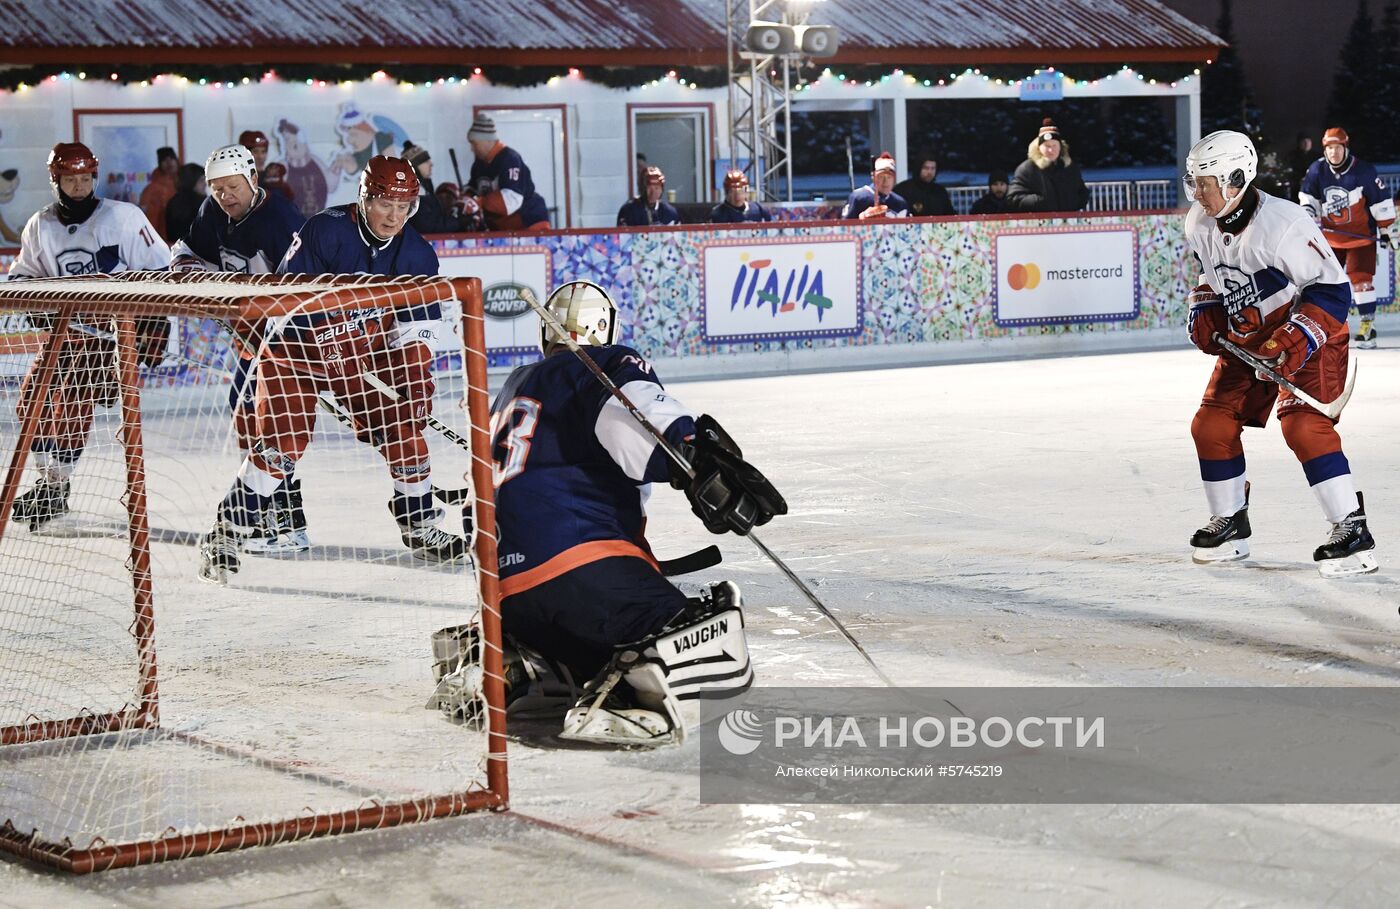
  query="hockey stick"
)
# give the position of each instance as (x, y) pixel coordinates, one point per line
(563, 334)
(1330, 410)
(1347, 233)
(452, 153)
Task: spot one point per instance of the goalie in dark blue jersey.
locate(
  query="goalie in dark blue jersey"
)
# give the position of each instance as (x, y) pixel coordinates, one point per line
(584, 601)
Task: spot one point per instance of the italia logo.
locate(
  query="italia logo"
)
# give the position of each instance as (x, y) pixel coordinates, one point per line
(1023, 277)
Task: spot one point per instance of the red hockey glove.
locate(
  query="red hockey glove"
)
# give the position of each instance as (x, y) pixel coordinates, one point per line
(1207, 319)
(1296, 340)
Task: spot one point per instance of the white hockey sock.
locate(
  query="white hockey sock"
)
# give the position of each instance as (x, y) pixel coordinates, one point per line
(1225, 497)
(1337, 497)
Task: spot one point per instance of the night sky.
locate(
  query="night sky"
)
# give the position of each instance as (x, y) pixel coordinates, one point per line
(1290, 49)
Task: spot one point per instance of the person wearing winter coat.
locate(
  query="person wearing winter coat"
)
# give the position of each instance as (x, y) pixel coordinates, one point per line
(1047, 181)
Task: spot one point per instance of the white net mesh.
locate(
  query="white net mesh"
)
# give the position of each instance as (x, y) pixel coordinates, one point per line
(294, 692)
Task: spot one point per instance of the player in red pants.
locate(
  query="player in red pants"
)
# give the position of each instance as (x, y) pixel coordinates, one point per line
(345, 354)
(1270, 284)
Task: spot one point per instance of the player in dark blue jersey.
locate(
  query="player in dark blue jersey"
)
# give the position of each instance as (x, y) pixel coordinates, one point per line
(878, 199)
(649, 208)
(736, 207)
(239, 227)
(502, 183)
(581, 590)
(335, 352)
(242, 228)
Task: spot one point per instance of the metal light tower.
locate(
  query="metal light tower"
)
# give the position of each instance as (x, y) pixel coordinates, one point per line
(760, 95)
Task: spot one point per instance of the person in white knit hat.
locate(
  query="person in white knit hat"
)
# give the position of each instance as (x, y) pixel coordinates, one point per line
(502, 182)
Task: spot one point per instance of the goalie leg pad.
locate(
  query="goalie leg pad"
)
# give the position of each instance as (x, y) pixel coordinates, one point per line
(531, 682)
(648, 695)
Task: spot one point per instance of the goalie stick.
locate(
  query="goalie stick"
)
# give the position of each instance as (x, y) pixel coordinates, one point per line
(563, 334)
(1331, 410)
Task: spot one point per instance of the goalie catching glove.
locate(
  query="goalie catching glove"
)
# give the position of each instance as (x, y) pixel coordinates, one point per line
(727, 493)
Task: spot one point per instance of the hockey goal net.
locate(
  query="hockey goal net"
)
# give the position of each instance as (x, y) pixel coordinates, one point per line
(146, 715)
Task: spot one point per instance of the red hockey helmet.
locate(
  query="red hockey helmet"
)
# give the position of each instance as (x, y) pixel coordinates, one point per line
(655, 177)
(252, 139)
(1335, 136)
(70, 158)
(389, 178)
(734, 179)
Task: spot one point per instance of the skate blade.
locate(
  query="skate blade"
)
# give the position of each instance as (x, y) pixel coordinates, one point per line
(1357, 563)
(215, 576)
(1229, 551)
(284, 544)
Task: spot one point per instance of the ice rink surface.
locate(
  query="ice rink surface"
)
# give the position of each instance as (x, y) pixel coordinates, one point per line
(1006, 523)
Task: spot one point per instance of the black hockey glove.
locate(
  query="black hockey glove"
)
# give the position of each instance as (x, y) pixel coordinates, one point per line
(727, 493)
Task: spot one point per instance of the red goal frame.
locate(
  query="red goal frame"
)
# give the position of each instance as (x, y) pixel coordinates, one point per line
(261, 299)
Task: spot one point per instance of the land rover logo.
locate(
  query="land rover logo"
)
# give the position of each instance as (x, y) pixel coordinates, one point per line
(505, 301)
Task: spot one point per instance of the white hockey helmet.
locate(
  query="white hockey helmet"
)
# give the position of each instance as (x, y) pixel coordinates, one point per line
(586, 312)
(229, 161)
(1229, 157)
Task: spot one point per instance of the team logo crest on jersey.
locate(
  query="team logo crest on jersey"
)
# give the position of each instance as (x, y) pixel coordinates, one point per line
(1336, 200)
(73, 262)
(1242, 298)
(235, 261)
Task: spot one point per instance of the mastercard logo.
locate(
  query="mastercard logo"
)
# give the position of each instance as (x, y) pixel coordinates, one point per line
(1023, 277)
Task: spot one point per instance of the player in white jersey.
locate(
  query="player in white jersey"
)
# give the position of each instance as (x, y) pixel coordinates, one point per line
(77, 235)
(1270, 284)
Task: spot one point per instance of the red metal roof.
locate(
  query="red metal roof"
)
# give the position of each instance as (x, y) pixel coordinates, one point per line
(579, 32)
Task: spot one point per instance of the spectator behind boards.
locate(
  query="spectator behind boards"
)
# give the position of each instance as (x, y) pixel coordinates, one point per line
(502, 182)
(878, 200)
(644, 212)
(271, 177)
(1047, 180)
(924, 197)
(993, 201)
(736, 207)
(431, 217)
(190, 191)
(161, 189)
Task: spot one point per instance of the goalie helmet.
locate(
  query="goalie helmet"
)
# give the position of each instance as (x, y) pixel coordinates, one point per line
(585, 310)
(232, 161)
(1229, 157)
(68, 159)
(389, 178)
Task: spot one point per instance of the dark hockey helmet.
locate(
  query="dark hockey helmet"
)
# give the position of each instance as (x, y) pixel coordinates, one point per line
(735, 178)
(389, 178)
(252, 138)
(70, 158)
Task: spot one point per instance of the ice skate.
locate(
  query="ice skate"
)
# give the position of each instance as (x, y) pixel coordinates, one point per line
(45, 502)
(426, 540)
(285, 528)
(218, 554)
(1365, 338)
(1350, 549)
(612, 712)
(1225, 538)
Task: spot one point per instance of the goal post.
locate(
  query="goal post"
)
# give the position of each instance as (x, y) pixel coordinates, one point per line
(147, 716)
